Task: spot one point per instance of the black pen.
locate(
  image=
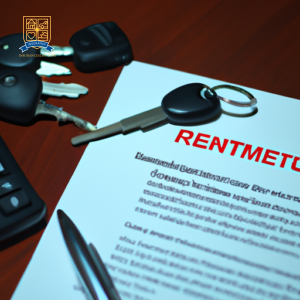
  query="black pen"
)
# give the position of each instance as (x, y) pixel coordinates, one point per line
(88, 262)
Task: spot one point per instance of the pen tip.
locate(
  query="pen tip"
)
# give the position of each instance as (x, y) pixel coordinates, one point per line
(60, 214)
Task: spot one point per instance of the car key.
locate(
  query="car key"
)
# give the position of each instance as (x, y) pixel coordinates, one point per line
(98, 47)
(10, 57)
(20, 91)
(187, 105)
(21, 209)
(190, 104)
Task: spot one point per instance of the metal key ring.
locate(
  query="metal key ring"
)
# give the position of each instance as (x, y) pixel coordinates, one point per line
(239, 109)
(252, 99)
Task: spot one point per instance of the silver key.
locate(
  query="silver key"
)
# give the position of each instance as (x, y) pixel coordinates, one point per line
(49, 69)
(141, 121)
(58, 51)
(190, 104)
(71, 90)
(62, 116)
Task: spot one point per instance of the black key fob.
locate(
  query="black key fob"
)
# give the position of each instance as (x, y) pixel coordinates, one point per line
(20, 91)
(22, 211)
(11, 55)
(191, 104)
(100, 47)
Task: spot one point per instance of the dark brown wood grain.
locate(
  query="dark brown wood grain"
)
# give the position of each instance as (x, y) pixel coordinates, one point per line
(251, 43)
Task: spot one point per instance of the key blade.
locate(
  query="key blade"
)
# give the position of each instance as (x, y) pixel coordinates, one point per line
(98, 134)
(58, 51)
(142, 121)
(49, 69)
(70, 90)
(62, 116)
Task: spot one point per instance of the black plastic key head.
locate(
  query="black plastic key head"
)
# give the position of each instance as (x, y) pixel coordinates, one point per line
(20, 91)
(100, 47)
(191, 104)
(11, 56)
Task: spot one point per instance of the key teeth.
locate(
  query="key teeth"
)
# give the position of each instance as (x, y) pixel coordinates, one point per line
(50, 69)
(71, 90)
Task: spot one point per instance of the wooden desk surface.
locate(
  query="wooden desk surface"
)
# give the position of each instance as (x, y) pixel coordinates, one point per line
(251, 43)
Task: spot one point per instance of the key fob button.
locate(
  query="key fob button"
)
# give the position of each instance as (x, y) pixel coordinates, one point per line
(10, 53)
(3, 171)
(85, 43)
(14, 202)
(18, 102)
(186, 106)
(9, 81)
(8, 184)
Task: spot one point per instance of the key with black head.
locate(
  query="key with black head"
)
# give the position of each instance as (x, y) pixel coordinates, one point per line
(20, 91)
(190, 104)
(98, 47)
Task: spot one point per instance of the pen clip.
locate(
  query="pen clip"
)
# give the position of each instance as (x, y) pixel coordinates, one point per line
(108, 287)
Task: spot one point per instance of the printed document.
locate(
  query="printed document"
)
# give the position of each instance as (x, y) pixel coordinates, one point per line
(182, 212)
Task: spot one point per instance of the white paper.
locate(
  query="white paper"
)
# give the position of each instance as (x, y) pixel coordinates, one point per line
(178, 251)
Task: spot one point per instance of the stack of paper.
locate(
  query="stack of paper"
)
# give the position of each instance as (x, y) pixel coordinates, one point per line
(201, 212)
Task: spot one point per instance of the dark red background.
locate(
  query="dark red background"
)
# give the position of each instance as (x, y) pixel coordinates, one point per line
(252, 43)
